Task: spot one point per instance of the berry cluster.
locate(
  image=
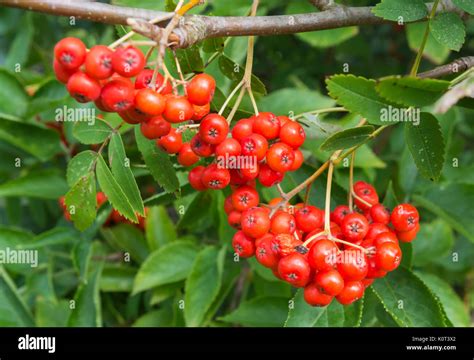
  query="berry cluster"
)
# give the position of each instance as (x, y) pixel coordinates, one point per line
(341, 263)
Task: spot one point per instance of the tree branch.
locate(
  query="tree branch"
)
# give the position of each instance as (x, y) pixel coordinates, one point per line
(323, 4)
(457, 66)
(195, 28)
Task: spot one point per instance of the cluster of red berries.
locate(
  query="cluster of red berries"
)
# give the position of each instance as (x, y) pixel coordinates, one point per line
(114, 218)
(361, 247)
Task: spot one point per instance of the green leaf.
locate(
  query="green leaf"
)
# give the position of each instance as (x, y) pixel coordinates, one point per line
(13, 311)
(81, 254)
(411, 91)
(169, 264)
(127, 238)
(408, 300)
(117, 278)
(79, 165)
(51, 313)
(91, 132)
(190, 60)
(452, 304)
(353, 313)
(434, 51)
(36, 140)
(260, 311)
(158, 162)
(433, 241)
(358, 95)
(448, 29)
(43, 184)
(235, 72)
(13, 97)
(401, 10)
(87, 311)
(213, 45)
(159, 230)
(332, 317)
(347, 138)
(157, 318)
(466, 5)
(81, 202)
(203, 284)
(120, 165)
(163, 292)
(20, 47)
(426, 145)
(114, 192)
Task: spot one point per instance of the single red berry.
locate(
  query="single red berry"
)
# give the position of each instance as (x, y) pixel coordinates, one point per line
(282, 223)
(380, 214)
(352, 265)
(267, 125)
(385, 237)
(292, 134)
(375, 272)
(201, 89)
(250, 172)
(408, 236)
(242, 129)
(178, 109)
(128, 61)
(118, 95)
(255, 222)
(266, 251)
(101, 198)
(245, 197)
(354, 227)
(243, 245)
(299, 159)
(200, 147)
(234, 218)
(330, 282)
(214, 129)
(62, 74)
(367, 282)
(155, 127)
(405, 217)
(70, 53)
(83, 88)
(172, 142)
(144, 78)
(283, 119)
(215, 177)
(228, 207)
(353, 291)
(340, 213)
(186, 156)
(287, 244)
(195, 178)
(236, 177)
(375, 229)
(315, 297)
(254, 145)
(295, 270)
(280, 157)
(150, 102)
(200, 111)
(322, 255)
(99, 62)
(133, 115)
(388, 256)
(228, 148)
(309, 218)
(367, 193)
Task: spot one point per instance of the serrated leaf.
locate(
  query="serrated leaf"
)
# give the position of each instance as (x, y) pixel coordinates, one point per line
(158, 162)
(81, 202)
(347, 138)
(448, 29)
(91, 132)
(43, 184)
(236, 72)
(466, 5)
(79, 165)
(120, 165)
(434, 51)
(411, 91)
(353, 313)
(408, 301)
(169, 264)
(203, 284)
(426, 145)
(401, 10)
(359, 95)
(159, 230)
(271, 312)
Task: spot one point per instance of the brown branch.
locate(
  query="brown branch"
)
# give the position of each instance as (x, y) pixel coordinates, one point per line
(457, 66)
(323, 4)
(195, 28)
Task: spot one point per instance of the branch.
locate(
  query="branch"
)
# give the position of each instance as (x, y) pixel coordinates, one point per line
(323, 4)
(195, 28)
(457, 66)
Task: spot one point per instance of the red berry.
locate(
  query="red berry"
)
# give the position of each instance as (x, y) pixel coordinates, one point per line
(200, 147)
(234, 218)
(245, 197)
(62, 74)
(70, 53)
(195, 178)
(405, 217)
(228, 148)
(283, 120)
(250, 172)
(309, 218)
(243, 245)
(375, 229)
(128, 61)
(367, 282)
(254, 145)
(282, 223)
(83, 88)
(367, 193)
(322, 255)
(150, 102)
(101, 198)
(380, 214)
(352, 265)
(255, 222)
(294, 269)
(292, 134)
(144, 78)
(287, 244)
(200, 111)
(215, 177)
(242, 129)
(132, 115)
(353, 291)
(388, 256)
(280, 157)
(178, 109)
(266, 251)
(228, 207)
(315, 297)
(354, 227)
(267, 125)
(118, 95)
(340, 213)
(330, 282)
(408, 236)
(385, 237)
(201, 89)
(186, 155)
(214, 129)
(99, 62)
(374, 271)
(268, 177)
(155, 127)
(172, 142)
(299, 159)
